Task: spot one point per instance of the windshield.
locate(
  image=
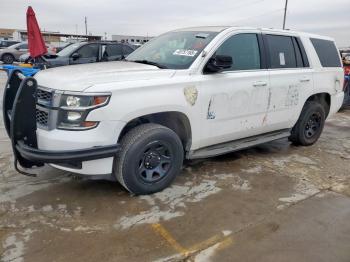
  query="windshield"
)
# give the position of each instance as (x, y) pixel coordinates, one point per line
(174, 50)
(68, 50)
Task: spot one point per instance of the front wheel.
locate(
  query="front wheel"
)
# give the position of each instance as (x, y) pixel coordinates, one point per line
(310, 125)
(151, 156)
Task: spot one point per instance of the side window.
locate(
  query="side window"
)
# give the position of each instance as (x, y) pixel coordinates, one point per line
(114, 50)
(244, 50)
(127, 50)
(23, 46)
(281, 51)
(89, 51)
(111, 52)
(327, 52)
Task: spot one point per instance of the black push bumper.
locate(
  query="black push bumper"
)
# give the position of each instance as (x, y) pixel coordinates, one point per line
(19, 113)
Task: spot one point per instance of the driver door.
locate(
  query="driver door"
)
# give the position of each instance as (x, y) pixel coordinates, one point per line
(236, 100)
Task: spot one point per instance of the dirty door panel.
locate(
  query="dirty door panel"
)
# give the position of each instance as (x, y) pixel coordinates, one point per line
(236, 104)
(291, 80)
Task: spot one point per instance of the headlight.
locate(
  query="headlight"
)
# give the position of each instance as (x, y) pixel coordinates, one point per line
(75, 108)
(83, 102)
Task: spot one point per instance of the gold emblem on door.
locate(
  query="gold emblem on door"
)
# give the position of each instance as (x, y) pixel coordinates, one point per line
(191, 94)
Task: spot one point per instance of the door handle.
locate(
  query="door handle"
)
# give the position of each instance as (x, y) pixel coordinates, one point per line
(305, 80)
(259, 83)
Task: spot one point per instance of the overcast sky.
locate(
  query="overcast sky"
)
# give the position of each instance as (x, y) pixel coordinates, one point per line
(152, 17)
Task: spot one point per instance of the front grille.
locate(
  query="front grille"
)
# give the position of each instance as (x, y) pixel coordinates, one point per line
(44, 97)
(42, 118)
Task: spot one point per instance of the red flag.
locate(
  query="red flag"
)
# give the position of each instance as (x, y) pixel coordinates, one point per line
(36, 42)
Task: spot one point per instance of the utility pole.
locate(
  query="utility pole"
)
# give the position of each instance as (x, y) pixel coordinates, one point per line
(85, 25)
(285, 15)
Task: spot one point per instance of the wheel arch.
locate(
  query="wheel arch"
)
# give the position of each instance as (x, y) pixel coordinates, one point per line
(174, 120)
(324, 99)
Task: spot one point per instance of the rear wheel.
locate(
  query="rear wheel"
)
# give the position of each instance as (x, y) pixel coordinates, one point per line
(151, 156)
(310, 125)
(8, 58)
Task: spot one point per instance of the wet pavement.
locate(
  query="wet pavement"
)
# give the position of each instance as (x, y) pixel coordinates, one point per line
(274, 202)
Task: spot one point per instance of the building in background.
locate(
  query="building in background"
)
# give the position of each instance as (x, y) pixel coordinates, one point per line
(6, 33)
(49, 37)
(131, 39)
(55, 37)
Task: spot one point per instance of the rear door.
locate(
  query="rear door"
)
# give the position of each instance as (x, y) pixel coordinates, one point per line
(291, 79)
(112, 52)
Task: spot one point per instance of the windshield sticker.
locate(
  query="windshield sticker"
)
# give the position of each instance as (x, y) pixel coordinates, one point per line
(185, 52)
(282, 59)
(202, 35)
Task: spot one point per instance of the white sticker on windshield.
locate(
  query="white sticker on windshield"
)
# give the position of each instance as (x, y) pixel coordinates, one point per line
(282, 59)
(185, 52)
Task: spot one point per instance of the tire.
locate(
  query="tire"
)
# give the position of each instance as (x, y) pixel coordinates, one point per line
(310, 125)
(151, 157)
(8, 58)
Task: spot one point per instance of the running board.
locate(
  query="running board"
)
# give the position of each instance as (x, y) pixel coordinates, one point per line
(236, 145)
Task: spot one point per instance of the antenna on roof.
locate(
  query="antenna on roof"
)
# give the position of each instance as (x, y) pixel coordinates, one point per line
(285, 15)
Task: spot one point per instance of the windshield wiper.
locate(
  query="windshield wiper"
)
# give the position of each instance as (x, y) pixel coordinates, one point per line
(148, 63)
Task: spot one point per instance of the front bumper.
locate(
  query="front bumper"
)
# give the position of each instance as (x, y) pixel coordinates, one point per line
(19, 113)
(65, 156)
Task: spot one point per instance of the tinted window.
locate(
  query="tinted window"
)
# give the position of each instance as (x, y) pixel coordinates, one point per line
(244, 50)
(281, 51)
(88, 51)
(114, 50)
(327, 52)
(23, 46)
(127, 50)
(111, 52)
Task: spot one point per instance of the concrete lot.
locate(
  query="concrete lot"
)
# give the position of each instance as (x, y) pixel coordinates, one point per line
(275, 202)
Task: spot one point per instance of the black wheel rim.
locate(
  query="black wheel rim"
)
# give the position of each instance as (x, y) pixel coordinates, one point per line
(155, 162)
(313, 125)
(7, 59)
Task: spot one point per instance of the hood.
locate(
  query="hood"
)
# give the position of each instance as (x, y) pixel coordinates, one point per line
(81, 77)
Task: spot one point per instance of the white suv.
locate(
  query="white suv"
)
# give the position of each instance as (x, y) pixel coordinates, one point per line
(190, 93)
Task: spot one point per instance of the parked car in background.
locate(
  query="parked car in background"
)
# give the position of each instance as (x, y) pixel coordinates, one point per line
(51, 53)
(13, 53)
(60, 46)
(89, 52)
(7, 43)
(187, 94)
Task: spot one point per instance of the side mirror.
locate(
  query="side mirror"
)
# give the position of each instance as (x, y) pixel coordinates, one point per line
(17, 48)
(218, 63)
(75, 56)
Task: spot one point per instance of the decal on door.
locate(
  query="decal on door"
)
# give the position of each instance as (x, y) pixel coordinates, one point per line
(241, 103)
(292, 96)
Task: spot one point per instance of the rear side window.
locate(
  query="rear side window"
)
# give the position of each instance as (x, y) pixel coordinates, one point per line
(281, 52)
(127, 50)
(114, 50)
(327, 52)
